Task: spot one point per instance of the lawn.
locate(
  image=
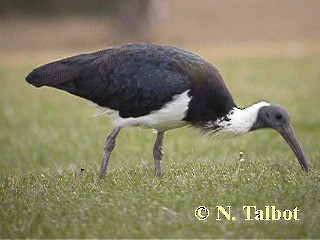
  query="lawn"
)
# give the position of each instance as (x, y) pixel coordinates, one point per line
(48, 136)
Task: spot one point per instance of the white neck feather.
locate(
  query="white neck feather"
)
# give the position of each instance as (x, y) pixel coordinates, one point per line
(241, 120)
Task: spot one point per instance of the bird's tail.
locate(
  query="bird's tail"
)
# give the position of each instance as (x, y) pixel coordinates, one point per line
(61, 74)
(51, 74)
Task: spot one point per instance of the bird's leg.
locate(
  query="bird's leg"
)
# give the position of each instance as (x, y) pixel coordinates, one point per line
(109, 146)
(157, 152)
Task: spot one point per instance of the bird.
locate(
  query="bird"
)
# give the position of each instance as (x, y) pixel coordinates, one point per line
(160, 87)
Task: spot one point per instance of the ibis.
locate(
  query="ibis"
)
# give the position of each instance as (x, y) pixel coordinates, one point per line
(162, 88)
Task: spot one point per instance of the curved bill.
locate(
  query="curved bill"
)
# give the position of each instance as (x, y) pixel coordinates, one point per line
(288, 135)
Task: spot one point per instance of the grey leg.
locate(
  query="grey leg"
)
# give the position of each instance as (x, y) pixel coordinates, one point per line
(157, 152)
(109, 146)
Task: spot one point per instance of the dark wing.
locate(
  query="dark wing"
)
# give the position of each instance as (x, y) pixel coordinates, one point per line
(133, 80)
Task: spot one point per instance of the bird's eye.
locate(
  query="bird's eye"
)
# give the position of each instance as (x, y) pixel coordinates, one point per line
(267, 114)
(278, 116)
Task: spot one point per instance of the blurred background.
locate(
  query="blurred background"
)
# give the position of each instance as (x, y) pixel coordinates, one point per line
(265, 50)
(37, 28)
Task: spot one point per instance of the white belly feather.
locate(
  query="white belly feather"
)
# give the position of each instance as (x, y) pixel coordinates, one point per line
(168, 117)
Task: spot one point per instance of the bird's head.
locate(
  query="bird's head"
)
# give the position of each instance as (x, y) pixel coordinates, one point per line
(277, 118)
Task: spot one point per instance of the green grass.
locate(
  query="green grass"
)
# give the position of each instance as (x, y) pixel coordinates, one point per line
(47, 136)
